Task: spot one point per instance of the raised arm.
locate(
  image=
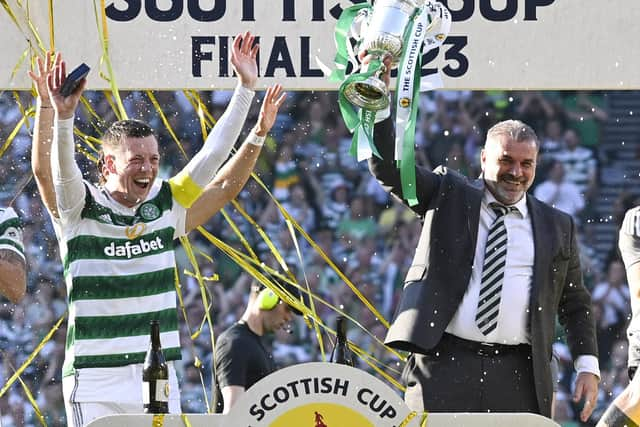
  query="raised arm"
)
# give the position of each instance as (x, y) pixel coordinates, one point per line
(385, 169)
(67, 178)
(13, 272)
(203, 166)
(232, 177)
(43, 132)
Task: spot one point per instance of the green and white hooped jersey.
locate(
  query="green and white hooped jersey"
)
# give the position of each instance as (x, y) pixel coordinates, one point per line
(119, 271)
(11, 232)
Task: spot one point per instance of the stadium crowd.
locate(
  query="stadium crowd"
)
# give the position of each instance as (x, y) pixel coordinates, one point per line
(308, 169)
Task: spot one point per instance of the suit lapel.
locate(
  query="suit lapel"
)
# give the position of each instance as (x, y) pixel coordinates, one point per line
(542, 241)
(474, 199)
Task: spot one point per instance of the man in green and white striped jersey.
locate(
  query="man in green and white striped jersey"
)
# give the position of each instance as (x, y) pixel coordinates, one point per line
(13, 272)
(116, 239)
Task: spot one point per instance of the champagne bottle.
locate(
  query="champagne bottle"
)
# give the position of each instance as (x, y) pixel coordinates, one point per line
(155, 376)
(341, 353)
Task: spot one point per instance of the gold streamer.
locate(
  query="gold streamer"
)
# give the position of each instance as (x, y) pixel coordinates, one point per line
(12, 15)
(33, 402)
(367, 359)
(158, 420)
(29, 395)
(185, 420)
(213, 278)
(31, 33)
(196, 362)
(88, 155)
(200, 112)
(32, 356)
(196, 102)
(106, 58)
(408, 418)
(423, 422)
(91, 141)
(311, 303)
(324, 256)
(89, 109)
(109, 97)
(167, 125)
(246, 263)
(18, 65)
(238, 233)
(265, 238)
(52, 36)
(203, 295)
(12, 135)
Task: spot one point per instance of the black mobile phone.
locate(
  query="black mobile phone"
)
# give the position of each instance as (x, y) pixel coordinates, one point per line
(73, 79)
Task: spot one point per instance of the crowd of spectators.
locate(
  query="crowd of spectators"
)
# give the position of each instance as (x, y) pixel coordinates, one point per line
(308, 169)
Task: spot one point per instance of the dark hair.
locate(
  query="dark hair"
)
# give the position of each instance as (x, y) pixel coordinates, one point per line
(118, 132)
(514, 129)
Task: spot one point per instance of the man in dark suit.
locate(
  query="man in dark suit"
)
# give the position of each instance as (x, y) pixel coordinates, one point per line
(493, 269)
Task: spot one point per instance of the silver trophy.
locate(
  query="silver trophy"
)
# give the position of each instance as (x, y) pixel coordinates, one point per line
(383, 35)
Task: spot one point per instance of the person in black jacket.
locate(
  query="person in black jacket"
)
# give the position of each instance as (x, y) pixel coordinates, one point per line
(493, 269)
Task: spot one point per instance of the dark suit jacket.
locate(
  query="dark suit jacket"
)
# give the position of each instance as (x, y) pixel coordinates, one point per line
(449, 205)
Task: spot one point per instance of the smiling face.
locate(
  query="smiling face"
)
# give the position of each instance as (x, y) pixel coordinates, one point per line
(130, 169)
(509, 162)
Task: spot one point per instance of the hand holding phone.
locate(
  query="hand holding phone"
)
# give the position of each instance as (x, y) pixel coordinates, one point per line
(73, 79)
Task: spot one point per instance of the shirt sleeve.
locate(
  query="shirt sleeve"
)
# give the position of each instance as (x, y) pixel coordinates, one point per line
(11, 232)
(188, 184)
(587, 363)
(232, 361)
(67, 178)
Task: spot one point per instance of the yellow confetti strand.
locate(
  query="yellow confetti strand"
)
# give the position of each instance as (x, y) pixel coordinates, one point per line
(158, 420)
(120, 115)
(52, 35)
(251, 266)
(32, 356)
(311, 303)
(18, 65)
(203, 295)
(185, 420)
(12, 135)
(238, 233)
(183, 309)
(167, 125)
(106, 58)
(324, 256)
(274, 251)
(91, 141)
(368, 360)
(27, 29)
(196, 102)
(33, 402)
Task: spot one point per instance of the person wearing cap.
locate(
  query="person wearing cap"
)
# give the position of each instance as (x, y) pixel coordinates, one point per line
(241, 354)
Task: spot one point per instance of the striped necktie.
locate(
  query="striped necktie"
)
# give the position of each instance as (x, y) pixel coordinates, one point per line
(495, 257)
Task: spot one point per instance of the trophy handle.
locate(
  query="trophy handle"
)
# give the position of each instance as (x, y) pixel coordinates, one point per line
(371, 93)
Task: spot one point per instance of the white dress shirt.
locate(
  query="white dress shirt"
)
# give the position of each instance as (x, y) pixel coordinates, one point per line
(516, 287)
